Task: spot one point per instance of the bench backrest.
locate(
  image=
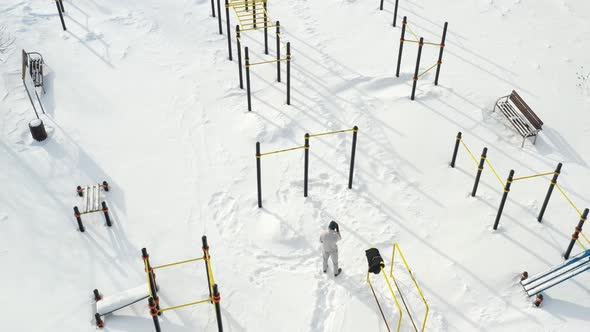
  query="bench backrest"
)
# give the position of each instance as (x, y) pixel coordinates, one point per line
(526, 110)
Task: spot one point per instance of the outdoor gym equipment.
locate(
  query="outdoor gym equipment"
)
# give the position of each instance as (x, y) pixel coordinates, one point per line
(92, 201)
(376, 265)
(420, 41)
(556, 275)
(32, 76)
(508, 184)
(149, 290)
(394, 10)
(60, 10)
(306, 147)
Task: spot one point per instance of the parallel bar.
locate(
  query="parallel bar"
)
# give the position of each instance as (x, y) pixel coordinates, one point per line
(332, 132)
(269, 61)
(427, 70)
(279, 151)
(568, 199)
(533, 176)
(399, 322)
(185, 305)
(177, 263)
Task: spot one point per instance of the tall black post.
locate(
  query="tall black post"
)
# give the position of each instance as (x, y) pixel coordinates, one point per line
(420, 44)
(154, 312)
(151, 276)
(61, 16)
(239, 44)
(105, 210)
(457, 142)
(289, 73)
(254, 13)
(549, 192)
(381, 5)
(278, 24)
(352, 154)
(219, 16)
(576, 234)
(440, 53)
(217, 299)
(205, 248)
(395, 13)
(247, 60)
(212, 8)
(258, 177)
(61, 6)
(78, 219)
(306, 165)
(504, 196)
(479, 170)
(228, 30)
(265, 30)
(401, 46)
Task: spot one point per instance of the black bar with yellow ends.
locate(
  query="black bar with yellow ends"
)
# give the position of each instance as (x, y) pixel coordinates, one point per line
(219, 16)
(212, 8)
(78, 219)
(576, 234)
(216, 300)
(479, 170)
(440, 54)
(504, 196)
(278, 27)
(289, 73)
(205, 247)
(258, 180)
(395, 12)
(228, 30)
(154, 312)
(61, 16)
(105, 210)
(417, 68)
(352, 155)
(239, 45)
(247, 62)
(306, 165)
(549, 192)
(401, 46)
(457, 142)
(265, 29)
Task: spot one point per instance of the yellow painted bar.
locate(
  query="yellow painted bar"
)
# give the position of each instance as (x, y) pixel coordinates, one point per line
(257, 28)
(177, 263)
(395, 245)
(585, 238)
(430, 43)
(568, 199)
(333, 132)
(532, 176)
(147, 274)
(279, 151)
(269, 61)
(412, 32)
(185, 305)
(427, 70)
(495, 173)
(379, 305)
(399, 322)
(469, 151)
(582, 245)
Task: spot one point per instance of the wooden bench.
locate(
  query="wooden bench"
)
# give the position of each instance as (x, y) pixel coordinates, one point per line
(520, 115)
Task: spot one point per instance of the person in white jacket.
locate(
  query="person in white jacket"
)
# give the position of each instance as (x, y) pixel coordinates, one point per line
(328, 239)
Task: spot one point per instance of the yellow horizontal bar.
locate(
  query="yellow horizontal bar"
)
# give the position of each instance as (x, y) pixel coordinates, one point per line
(259, 19)
(585, 238)
(429, 43)
(411, 41)
(568, 199)
(258, 28)
(177, 263)
(581, 245)
(279, 151)
(249, 12)
(427, 70)
(333, 132)
(532, 176)
(185, 305)
(269, 61)
(469, 151)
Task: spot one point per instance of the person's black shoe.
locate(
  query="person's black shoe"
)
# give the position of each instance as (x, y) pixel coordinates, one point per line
(337, 273)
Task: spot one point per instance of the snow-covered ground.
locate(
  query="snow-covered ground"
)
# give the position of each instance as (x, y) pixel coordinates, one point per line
(141, 94)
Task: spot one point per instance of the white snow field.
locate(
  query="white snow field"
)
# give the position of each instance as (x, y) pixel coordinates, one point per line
(142, 94)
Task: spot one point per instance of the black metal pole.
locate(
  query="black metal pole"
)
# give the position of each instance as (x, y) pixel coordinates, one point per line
(151, 276)
(381, 5)
(105, 210)
(239, 44)
(258, 175)
(440, 54)
(401, 46)
(212, 8)
(154, 312)
(479, 170)
(265, 30)
(420, 44)
(306, 165)
(278, 24)
(247, 61)
(61, 16)
(395, 13)
(576, 234)
(352, 155)
(61, 6)
(217, 299)
(457, 142)
(78, 219)
(219, 16)
(289, 73)
(228, 30)
(549, 192)
(99, 321)
(205, 248)
(504, 196)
